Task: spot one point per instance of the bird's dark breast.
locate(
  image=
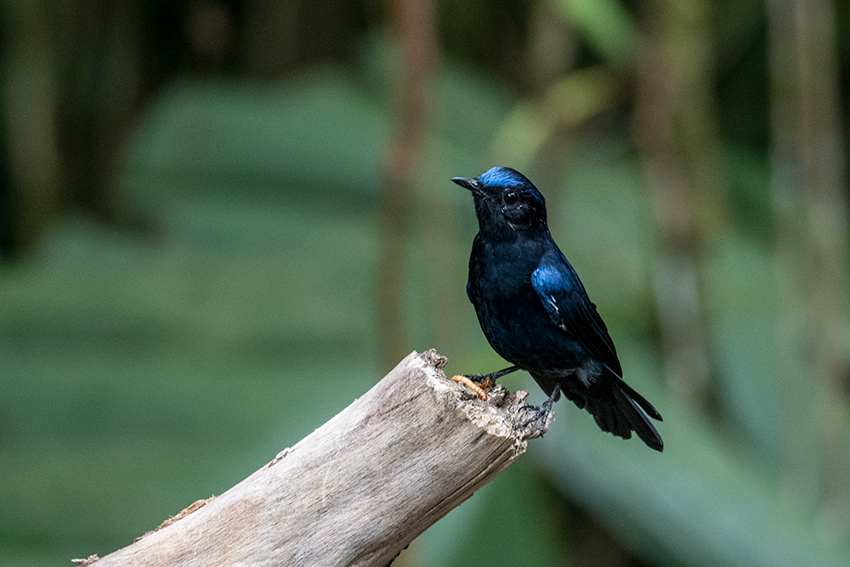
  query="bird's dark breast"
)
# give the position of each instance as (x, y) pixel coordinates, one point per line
(513, 318)
(521, 332)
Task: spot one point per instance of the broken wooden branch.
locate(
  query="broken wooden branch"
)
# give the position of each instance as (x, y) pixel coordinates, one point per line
(358, 489)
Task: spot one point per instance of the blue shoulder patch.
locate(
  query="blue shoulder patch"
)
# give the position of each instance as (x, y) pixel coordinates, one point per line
(549, 279)
(547, 282)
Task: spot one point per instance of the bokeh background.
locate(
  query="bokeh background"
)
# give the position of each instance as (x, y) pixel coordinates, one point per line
(223, 220)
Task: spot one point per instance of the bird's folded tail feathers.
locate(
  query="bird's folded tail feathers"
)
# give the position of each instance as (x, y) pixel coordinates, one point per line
(616, 407)
(641, 401)
(636, 419)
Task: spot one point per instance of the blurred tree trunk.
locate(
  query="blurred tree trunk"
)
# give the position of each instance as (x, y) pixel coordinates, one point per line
(77, 74)
(30, 188)
(74, 79)
(100, 93)
(676, 132)
(412, 22)
(810, 209)
(281, 37)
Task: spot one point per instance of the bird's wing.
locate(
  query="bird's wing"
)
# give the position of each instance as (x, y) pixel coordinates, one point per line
(568, 306)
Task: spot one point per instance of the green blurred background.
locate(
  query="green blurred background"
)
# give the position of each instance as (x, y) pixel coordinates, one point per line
(222, 221)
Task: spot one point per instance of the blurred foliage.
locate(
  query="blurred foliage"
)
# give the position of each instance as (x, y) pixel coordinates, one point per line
(145, 365)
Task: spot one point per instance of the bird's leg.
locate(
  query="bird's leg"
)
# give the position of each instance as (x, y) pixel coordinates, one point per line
(478, 383)
(489, 380)
(542, 412)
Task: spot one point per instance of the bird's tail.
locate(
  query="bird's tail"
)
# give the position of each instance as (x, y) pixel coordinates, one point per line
(619, 409)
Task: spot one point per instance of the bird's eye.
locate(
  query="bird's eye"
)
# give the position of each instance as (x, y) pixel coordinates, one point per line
(511, 197)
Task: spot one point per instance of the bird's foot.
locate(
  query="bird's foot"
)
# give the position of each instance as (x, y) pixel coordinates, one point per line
(470, 382)
(478, 383)
(540, 413)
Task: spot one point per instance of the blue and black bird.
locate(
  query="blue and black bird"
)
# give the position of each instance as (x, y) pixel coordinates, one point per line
(535, 312)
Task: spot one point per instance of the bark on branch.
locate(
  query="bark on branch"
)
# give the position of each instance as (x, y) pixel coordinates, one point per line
(358, 489)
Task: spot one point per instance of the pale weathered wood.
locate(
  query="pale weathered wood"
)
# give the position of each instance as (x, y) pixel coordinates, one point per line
(357, 490)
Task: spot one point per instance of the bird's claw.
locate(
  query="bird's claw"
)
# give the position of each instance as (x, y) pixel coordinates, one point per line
(538, 413)
(478, 383)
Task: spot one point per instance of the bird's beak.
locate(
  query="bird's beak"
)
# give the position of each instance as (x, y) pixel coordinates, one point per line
(472, 184)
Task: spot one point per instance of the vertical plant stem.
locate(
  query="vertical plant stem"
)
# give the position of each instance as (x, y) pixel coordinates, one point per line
(675, 130)
(413, 24)
(811, 241)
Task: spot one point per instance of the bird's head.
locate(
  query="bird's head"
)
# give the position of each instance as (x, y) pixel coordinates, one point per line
(505, 201)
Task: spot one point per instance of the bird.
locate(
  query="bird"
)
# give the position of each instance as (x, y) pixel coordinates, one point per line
(535, 312)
